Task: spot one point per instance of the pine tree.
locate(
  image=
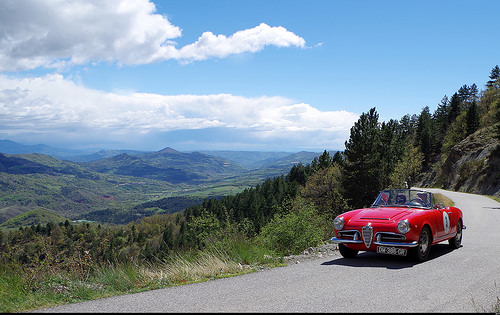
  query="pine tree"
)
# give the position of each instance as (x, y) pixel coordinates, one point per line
(454, 108)
(361, 168)
(338, 158)
(325, 160)
(494, 75)
(297, 173)
(425, 135)
(440, 119)
(168, 236)
(391, 149)
(472, 119)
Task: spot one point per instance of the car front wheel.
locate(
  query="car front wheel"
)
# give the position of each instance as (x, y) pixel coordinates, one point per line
(456, 241)
(421, 252)
(346, 252)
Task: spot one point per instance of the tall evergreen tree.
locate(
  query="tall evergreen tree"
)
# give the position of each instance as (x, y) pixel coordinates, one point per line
(464, 93)
(425, 134)
(441, 119)
(392, 141)
(361, 168)
(454, 108)
(298, 173)
(468, 94)
(325, 160)
(338, 158)
(494, 75)
(407, 125)
(472, 119)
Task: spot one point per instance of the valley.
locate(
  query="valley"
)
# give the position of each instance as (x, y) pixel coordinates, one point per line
(119, 186)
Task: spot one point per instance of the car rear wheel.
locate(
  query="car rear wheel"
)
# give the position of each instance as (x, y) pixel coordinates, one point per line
(346, 252)
(421, 252)
(456, 241)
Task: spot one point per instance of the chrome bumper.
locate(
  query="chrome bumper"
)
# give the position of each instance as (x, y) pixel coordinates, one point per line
(343, 241)
(391, 244)
(397, 244)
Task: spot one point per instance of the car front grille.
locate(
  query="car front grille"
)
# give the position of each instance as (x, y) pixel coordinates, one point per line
(389, 237)
(367, 232)
(349, 234)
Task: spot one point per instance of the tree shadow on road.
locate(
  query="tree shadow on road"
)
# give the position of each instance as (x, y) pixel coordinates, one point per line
(372, 259)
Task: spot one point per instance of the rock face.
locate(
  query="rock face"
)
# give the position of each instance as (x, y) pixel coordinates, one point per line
(473, 165)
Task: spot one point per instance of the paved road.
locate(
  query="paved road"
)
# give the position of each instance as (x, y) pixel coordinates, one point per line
(462, 280)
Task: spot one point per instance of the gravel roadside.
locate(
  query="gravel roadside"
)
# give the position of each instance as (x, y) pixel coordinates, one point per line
(313, 253)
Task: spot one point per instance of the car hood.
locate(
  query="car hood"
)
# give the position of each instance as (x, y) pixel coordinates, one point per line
(388, 215)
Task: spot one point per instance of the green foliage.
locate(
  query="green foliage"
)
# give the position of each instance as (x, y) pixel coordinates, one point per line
(456, 133)
(13, 289)
(35, 216)
(392, 145)
(361, 172)
(472, 119)
(372, 152)
(299, 174)
(324, 190)
(425, 134)
(454, 109)
(257, 204)
(204, 229)
(494, 76)
(407, 169)
(291, 232)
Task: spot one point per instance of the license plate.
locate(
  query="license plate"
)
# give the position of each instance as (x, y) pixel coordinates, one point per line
(391, 250)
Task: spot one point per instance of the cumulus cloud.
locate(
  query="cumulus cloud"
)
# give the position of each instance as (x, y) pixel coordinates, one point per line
(53, 105)
(251, 40)
(56, 33)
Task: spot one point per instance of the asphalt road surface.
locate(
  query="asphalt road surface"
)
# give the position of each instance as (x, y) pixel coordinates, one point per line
(462, 280)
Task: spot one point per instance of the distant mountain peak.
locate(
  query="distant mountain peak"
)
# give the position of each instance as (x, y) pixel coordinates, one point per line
(169, 150)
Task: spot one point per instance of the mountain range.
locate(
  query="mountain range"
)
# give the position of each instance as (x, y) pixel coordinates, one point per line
(128, 184)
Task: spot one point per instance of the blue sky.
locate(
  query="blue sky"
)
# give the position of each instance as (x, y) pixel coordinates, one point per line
(267, 75)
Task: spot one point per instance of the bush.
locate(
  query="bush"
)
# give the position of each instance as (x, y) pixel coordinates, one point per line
(292, 232)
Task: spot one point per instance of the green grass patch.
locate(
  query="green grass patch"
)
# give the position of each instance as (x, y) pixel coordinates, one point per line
(25, 289)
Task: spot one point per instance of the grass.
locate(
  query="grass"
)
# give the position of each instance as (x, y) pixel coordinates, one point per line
(447, 202)
(25, 289)
(497, 199)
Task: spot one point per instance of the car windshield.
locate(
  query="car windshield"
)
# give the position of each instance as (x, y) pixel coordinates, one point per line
(404, 198)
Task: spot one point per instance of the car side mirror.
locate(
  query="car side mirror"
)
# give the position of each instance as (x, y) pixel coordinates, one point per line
(440, 206)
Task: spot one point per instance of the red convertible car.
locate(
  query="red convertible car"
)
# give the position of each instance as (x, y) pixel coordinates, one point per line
(400, 222)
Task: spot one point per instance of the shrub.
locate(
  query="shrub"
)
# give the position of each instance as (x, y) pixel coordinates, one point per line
(290, 233)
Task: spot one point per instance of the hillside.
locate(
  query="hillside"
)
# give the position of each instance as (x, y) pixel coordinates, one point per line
(33, 217)
(472, 166)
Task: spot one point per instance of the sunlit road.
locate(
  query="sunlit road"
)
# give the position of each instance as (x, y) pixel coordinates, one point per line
(462, 280)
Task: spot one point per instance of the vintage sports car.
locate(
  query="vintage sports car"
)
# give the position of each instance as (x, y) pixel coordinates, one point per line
(400, 222)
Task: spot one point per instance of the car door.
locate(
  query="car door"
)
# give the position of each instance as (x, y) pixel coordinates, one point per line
(442, 222)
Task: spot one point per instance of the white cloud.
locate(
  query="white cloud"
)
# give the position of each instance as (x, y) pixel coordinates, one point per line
(56, 33)
(250, 40)
(53, 105)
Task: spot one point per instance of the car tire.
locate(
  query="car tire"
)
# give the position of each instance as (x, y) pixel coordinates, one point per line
(347, 252)
(456, 241)
(421, 252)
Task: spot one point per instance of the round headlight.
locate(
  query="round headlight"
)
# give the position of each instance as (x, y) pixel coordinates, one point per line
(403, 226)
(338, 223)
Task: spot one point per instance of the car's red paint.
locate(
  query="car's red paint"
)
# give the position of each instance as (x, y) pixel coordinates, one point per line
(384, 216)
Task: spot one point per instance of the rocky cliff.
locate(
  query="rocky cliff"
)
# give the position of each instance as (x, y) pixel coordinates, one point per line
(473, 165)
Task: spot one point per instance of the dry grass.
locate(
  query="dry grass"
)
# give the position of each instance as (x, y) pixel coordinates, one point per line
(447, 202)
(180, 269)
